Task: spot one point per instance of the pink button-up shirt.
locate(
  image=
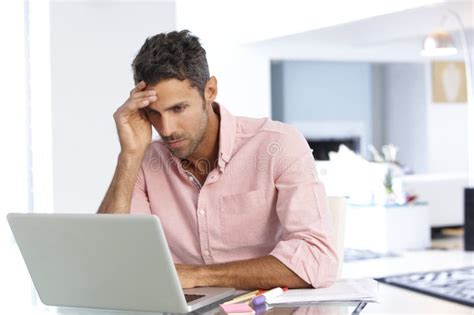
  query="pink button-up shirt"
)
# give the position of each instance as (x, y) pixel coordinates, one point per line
(262, 198)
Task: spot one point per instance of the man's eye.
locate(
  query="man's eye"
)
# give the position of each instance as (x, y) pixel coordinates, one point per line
(150, 111)
(178, 109)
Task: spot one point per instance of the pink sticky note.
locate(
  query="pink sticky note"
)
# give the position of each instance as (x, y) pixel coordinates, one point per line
(237, 308)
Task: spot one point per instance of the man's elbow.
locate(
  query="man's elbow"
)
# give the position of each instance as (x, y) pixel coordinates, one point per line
(329, 267)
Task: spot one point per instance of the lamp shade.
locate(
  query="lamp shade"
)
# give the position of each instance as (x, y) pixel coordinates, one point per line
(439, 43)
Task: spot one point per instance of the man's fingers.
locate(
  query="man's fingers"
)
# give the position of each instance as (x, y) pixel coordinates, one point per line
(144, 101)
(138, 103)
(137, 95)
(140, 86)
(137, 100)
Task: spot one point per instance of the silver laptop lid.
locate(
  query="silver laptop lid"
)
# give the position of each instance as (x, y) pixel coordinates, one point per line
(99, 261)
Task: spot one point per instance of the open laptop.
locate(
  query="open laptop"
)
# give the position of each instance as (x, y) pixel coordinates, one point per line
(105, 261)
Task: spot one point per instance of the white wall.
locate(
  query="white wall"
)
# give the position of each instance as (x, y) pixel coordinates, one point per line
(92, 47)
(15, 182)
(243, 75)
(447, 134)
(447, 141)
(432, 137)
(405, 113)
(447, 124)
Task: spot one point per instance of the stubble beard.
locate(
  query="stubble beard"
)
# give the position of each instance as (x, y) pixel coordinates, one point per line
(183, 153)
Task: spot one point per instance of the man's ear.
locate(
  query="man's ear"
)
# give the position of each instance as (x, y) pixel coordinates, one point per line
(210, 91)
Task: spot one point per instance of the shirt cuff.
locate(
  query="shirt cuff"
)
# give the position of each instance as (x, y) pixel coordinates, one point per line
(306, 260)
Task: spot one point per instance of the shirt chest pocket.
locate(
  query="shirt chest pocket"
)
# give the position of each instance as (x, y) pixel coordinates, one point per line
(244, 218)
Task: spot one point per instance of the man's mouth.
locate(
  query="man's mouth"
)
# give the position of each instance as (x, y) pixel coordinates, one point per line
(175, 143)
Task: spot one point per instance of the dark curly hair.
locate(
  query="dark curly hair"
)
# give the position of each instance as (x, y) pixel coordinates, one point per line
(173, 55)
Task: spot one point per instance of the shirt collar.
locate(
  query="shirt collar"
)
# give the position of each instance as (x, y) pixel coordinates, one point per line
(226, 134)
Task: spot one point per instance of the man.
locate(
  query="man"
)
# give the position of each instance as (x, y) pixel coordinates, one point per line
(238, 197)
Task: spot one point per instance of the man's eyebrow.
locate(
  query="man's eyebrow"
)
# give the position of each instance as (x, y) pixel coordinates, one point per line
(168, 108)
(176, 105)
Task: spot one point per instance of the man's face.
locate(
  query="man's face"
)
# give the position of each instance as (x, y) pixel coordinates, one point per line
(179, 115)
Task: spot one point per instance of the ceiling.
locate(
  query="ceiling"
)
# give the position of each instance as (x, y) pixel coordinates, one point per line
(386, 38)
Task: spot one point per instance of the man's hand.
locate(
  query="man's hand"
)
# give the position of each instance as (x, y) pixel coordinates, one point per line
(133, 127)
(134, 132)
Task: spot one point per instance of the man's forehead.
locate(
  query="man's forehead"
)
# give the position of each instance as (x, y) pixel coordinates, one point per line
(171, 85)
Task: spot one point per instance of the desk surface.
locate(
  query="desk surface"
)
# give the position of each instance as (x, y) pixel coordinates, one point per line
(18, 297)
(397, 300)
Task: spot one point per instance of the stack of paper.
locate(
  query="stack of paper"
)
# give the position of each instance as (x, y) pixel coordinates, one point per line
(344, 290)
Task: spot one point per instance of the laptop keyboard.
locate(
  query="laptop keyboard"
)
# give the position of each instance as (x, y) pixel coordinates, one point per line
(192, 297)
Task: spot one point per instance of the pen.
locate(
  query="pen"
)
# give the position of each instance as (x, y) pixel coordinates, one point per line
(261, 309)
(359, 308)
(244, 297)
(262, 298)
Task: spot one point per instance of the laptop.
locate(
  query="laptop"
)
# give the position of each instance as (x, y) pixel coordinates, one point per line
(105, 261)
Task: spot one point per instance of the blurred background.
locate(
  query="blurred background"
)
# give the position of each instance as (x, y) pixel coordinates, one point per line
(344, 72)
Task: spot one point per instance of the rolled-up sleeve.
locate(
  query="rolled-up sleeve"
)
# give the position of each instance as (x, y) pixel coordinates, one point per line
(140, 203)
(307, 244)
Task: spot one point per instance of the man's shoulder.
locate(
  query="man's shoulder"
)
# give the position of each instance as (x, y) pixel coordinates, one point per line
(265, 127)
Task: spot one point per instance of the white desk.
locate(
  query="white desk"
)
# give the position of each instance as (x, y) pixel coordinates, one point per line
(397, 300)
(18, 297)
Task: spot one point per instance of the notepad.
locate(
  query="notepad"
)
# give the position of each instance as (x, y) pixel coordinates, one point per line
(240, 308)
(343, 290)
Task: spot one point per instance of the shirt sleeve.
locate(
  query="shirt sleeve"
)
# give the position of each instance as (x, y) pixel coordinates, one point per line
(140, 203)
(307, 244)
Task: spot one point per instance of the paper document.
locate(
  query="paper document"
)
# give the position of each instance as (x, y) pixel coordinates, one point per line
(342, 290)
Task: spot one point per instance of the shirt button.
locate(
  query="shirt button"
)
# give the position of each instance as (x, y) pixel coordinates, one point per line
(201, 212)
(207, 253)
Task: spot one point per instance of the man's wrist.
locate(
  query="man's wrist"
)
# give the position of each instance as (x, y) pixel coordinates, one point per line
(129, 158)
(204, 276)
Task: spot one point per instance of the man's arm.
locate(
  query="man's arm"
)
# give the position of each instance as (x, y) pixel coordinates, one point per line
(119, 195)
(263, 273)
(134, 131)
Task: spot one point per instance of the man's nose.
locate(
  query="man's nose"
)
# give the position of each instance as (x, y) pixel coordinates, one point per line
(167, 126)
